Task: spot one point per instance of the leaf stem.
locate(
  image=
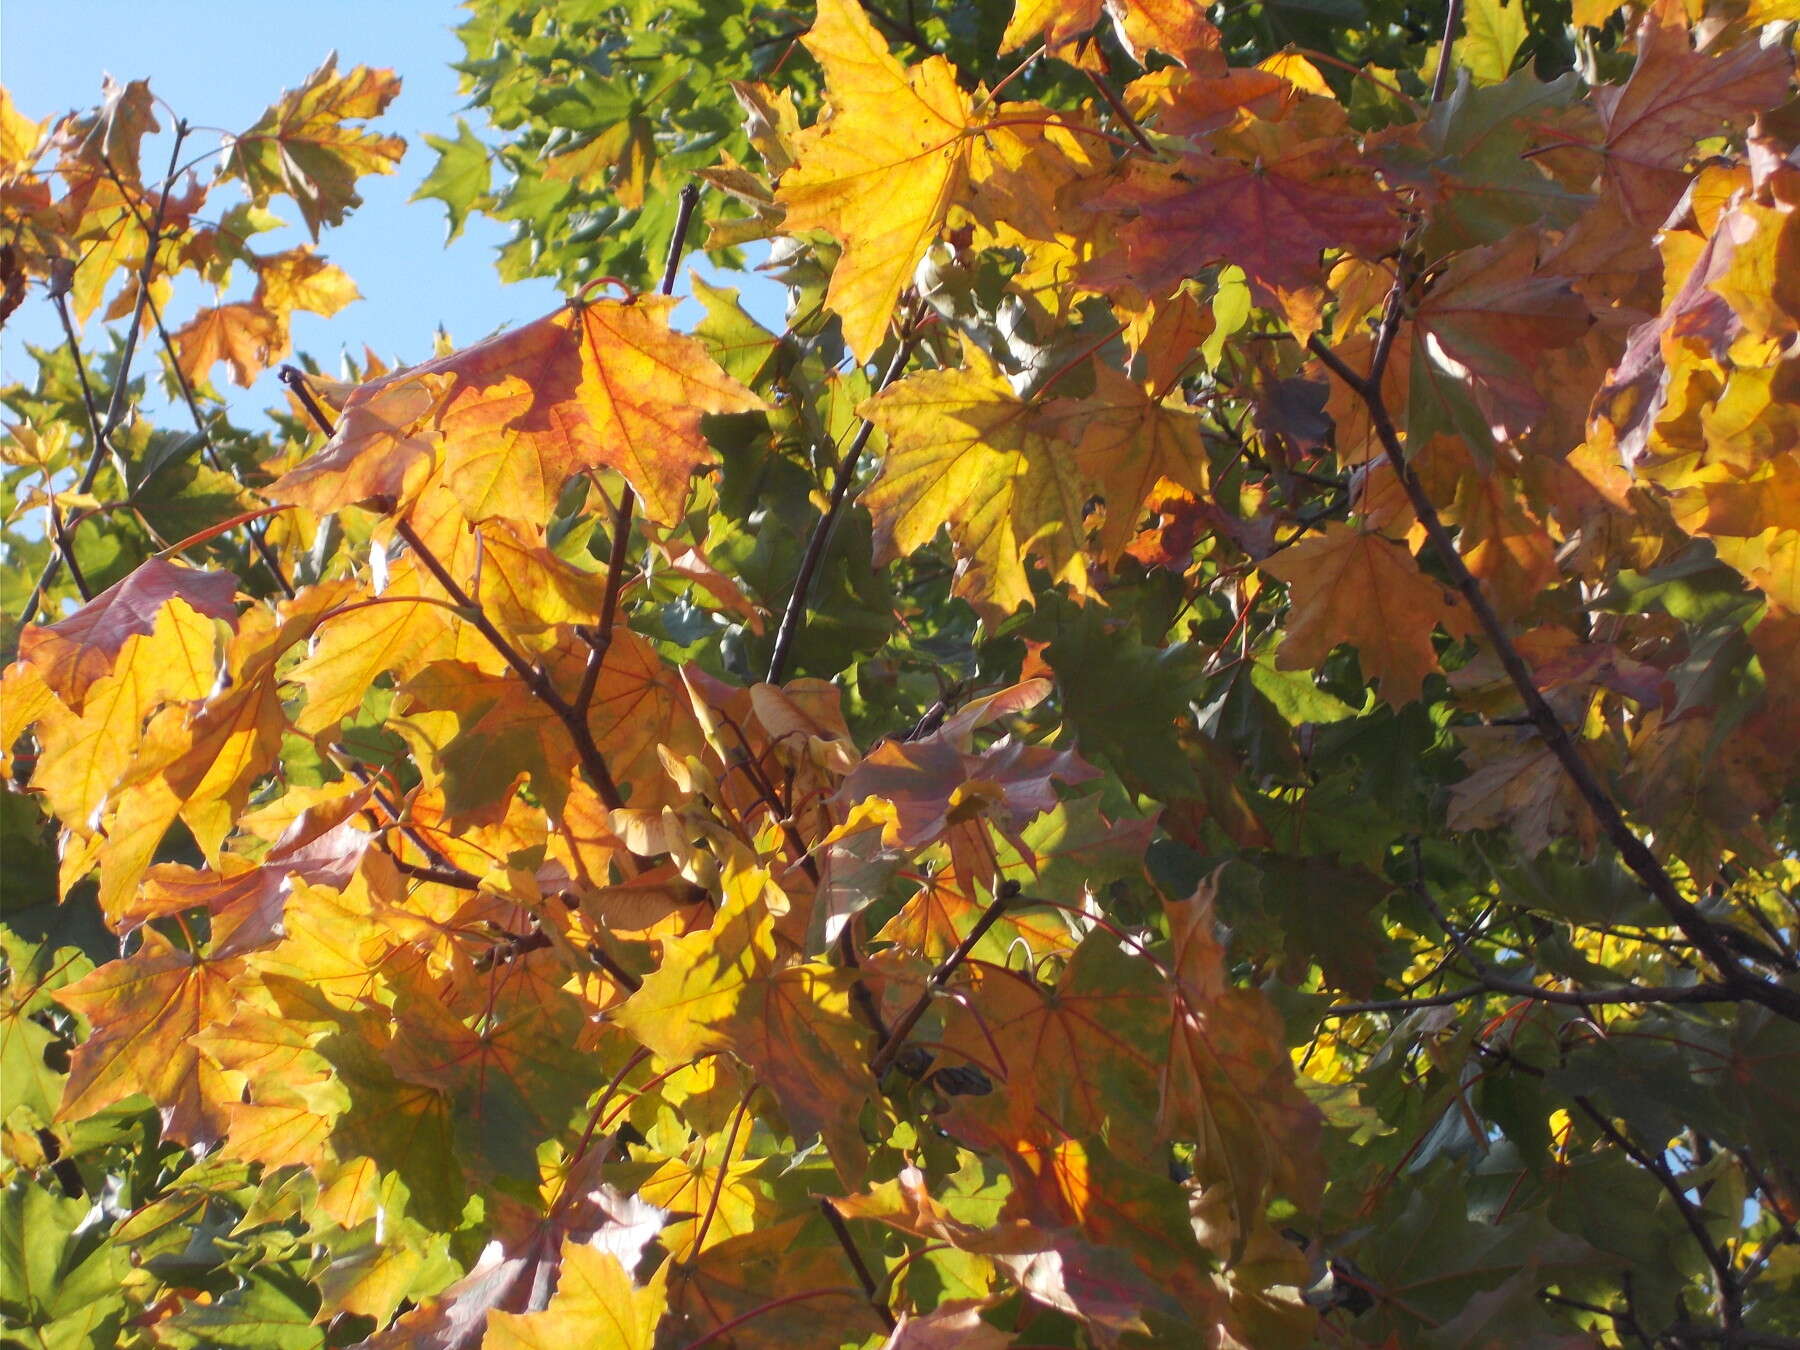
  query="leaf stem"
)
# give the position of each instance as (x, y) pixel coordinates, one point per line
(804, 1296)
(258, 537)
(1119, 110)
(115, 410)
(718, 1190)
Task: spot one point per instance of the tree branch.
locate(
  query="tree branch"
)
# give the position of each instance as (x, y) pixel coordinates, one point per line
(1635, 853)
(884, 1056)
(1730, 1295)
(1572, 998)
(601, 639)
(840, 488)
(848, 1243)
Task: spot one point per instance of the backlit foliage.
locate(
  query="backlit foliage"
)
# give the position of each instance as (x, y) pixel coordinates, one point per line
(1200, 750)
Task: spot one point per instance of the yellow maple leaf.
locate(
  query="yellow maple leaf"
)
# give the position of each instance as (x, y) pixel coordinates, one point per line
(303, 146)
(882, 173)
(964, 449)
(596, 1307)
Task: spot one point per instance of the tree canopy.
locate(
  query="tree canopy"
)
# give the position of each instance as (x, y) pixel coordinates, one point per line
(1199, 749)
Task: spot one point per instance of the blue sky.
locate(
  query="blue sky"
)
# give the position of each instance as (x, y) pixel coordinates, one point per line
(219, 65)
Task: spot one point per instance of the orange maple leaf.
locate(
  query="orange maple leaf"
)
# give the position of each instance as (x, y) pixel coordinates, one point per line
(1348, 585)
(600, 384)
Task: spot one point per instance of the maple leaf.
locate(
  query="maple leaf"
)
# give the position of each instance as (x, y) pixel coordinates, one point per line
(774, 1290)
(1675, 97)
(300, 279)
(115, 132)
(596, 1306)
(1269, 199)
(1357, 587)
(725, 989)
(71, 654)
(1482, 327)
(964, 449)
(521, 1271)
(1227, 1083)
(1084, 1055)
(882, 174)
(605, 383)
(301, 146)
(1129, 439)
(146, 1011)
(1515, 784)
(245, 334)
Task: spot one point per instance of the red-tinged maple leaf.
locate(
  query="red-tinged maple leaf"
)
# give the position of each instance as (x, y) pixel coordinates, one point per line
(1676, 97)
(146, 1011)
(324, 846)
(604, 383)
(1173, 27)
(1362, 588)
(302, 145)
(1505, 546)
(1483, 325)
(933, 785)
(1060, 1267)
(1268, 199)
(952, 1325)
(882, 173)
(72, 654)
(1129, 439)
(780, 1287)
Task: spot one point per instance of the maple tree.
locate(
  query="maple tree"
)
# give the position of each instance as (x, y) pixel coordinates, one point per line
(1200, 750)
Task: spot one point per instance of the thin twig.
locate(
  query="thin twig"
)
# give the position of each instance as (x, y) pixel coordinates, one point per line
(1573, 998)
(884, 1056)
(115, 410)
(840, 489)
(712, 1204)
(1730, 1296)
(601, 639)
(848, 1243)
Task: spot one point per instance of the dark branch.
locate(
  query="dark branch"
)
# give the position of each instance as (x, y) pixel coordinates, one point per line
(821, 535)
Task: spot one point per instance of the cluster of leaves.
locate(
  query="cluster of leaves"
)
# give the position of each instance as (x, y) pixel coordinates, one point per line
(1200, 751)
